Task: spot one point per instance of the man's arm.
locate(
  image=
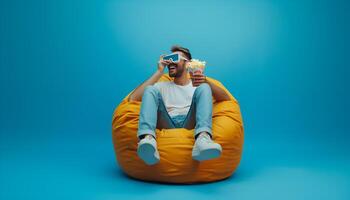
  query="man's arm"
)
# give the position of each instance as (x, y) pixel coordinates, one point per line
(218, 93)
(136, 95)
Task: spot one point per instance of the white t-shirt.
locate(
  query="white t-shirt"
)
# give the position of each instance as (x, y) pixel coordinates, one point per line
(177, 98)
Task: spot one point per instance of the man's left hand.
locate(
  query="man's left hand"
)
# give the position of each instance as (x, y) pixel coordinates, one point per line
(198, 78)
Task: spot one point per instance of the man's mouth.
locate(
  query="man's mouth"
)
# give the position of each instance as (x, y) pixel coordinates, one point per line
(172, 68)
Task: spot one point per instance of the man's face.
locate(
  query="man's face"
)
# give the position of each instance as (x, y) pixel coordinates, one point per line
(177, 69)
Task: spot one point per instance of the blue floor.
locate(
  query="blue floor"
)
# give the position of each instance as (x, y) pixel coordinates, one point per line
(58, 168)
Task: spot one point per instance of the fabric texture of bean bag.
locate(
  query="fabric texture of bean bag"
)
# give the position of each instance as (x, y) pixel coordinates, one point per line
(175, 145)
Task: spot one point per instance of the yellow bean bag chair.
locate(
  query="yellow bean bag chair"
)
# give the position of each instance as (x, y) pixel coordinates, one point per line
(175, 145)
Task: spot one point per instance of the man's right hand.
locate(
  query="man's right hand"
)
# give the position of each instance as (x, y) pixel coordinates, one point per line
(162, 63)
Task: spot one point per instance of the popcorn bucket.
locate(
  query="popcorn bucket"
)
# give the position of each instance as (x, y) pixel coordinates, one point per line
(195, 67)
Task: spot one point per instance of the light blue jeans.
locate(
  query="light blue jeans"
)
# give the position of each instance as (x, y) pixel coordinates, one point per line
(154, 115)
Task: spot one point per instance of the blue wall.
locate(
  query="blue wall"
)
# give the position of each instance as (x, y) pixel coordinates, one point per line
(65, 66)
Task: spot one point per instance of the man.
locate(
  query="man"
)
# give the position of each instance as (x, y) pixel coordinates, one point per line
(181, 103)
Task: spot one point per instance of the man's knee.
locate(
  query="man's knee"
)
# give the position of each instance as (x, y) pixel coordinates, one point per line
(204, 87)
(151, 89)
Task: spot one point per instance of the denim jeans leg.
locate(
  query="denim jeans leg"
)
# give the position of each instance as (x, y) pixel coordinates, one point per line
(153, 113)
(200, 114)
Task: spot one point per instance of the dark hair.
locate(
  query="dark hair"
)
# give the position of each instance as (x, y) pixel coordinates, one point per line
(183, 50)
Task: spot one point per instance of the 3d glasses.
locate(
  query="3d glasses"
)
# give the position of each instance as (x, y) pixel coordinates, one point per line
(174, 57)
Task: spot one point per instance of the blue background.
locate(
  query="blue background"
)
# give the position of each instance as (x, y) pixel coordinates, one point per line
(65, 66)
